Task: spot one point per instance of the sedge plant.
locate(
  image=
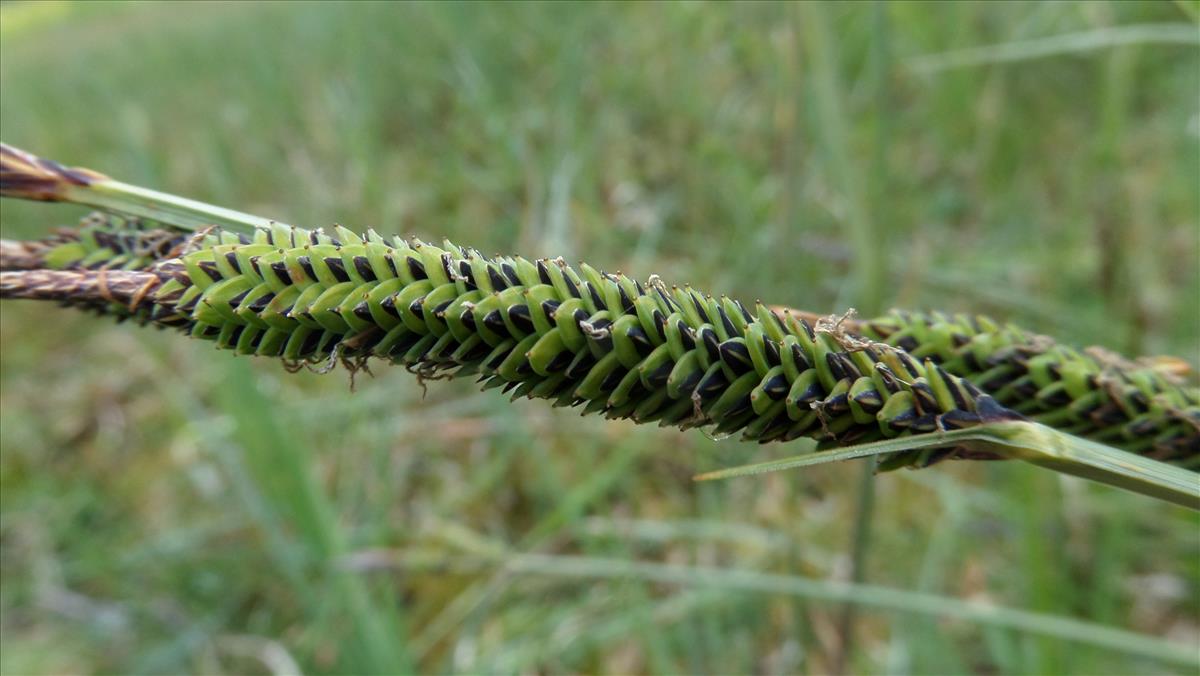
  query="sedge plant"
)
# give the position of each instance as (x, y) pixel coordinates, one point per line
(915, 389)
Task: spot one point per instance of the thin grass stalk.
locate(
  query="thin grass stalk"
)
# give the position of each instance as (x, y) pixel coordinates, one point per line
(27, 176)
(872, 596)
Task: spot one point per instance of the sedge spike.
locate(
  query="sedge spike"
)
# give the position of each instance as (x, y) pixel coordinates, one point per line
(539, 329)
(1140, 407)
(1143, 408)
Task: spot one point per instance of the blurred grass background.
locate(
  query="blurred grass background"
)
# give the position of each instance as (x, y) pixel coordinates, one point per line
(167, 508)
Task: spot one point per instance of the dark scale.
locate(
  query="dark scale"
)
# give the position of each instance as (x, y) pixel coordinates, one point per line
(776, 428)
(626, 301)
(498, 360)
(771, 351)
(1026, 389)
(687, 336)
(776, 387)
(605, 340)
(417, 307)
(210, 269)
(311, 341)
(660, 326)
(338, 268)
(910, 364)
(464, 269)
(497, 280)
(579, 316)
(777, 321)
(902, 420)
(440, 311)
(711, 386)
(923, 395)
(726, 322)
(571, 287)
(511, 273)
(869, 400)
(543, 273)
(689, 383)
(391, 263)
(256, 342)
(801, 361)
(478, 351)
(600, 305)
(711, 342)
(560, 361)
(580, 365)
(237, 300)
(389, 306)
(640, 341)
(306, 265)
(232, 259)
(468, 320)
(549, 307)
(367, 343)
(521, 318)
(363, 311)
(613, 379)
(448, 266)
(736, 356)
(658, 377)
(841, 366)
(495, 322)
(447, 352)
(1055, 397)
(415, 267)
(836, 405)
(700, 309)
(281, 272)
(741, 406)
(404, 344)
(890, 381)
(235, 335)
(808, 330)
(363, 267)
(1137, 399)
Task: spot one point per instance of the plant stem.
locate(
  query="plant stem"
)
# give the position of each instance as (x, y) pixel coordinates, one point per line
(27, 176)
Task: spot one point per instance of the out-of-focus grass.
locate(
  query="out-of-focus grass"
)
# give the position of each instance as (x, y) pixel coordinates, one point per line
(145, 526)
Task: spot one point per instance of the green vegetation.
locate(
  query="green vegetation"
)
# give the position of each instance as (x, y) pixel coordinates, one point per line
(158, 523)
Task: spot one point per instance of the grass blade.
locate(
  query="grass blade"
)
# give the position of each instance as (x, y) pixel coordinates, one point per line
(873, 596)
(1066, 43)
(1032, 442)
